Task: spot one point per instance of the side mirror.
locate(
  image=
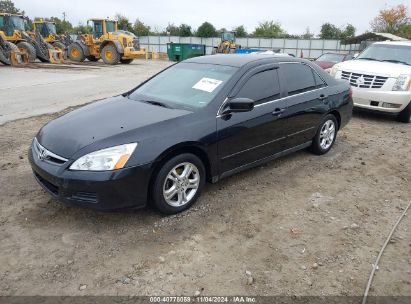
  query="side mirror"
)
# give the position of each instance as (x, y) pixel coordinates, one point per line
(240, 105)
(355, 55)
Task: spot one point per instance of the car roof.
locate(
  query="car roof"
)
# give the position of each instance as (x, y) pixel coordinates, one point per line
(239, 60)
(407, 43)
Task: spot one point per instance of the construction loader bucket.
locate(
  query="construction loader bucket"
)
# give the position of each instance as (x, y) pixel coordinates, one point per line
(56, 56)
(19, 57)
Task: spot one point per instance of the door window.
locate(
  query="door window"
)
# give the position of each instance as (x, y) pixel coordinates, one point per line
(1, 22)
(299, 78)
(261, 87)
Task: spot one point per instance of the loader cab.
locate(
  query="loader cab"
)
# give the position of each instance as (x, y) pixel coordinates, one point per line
(228, 36)
(102, 27)
(45, 28)
(11, 23)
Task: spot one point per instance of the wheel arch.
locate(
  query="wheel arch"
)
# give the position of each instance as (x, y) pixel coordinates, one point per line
(187, 147)
(337, 116)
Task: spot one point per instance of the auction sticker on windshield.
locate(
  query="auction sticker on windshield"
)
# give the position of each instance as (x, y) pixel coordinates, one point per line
(207, 84)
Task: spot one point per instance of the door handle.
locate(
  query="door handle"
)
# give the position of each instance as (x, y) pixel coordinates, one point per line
(278, 111)
(323, 97)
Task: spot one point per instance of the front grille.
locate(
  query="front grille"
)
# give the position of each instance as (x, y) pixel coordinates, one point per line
(46, 155)
(46, 184)
(136, 44)
(364, 80)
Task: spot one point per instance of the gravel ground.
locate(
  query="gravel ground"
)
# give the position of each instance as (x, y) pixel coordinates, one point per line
(300, 225)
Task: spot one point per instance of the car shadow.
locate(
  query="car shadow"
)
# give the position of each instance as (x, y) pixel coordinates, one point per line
(374, 116)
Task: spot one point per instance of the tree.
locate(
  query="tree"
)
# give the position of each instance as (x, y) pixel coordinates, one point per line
(240, 31)
(269, 29)
(7, 6)
(391, 20)
(184, 30)
(330, 31)
(348, 32)
(82, 29)
(405, 31)
(123, 23)
(206, 30)
(140, 29)
(172, 30)
(307, 34)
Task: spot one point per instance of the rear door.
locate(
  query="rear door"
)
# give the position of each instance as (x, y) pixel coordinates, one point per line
(250, 136)
(305, 99)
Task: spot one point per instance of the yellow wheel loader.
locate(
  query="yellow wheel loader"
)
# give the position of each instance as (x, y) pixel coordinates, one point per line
(13, 29)
(10, 53)
(47, 30)
(227, 44)
(106, 42)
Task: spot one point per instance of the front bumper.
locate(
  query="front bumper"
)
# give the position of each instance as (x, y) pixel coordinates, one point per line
(378, 100)
(132, 53)
(106, 190)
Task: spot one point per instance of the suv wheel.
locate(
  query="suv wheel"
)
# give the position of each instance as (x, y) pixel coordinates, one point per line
(326, 135)
(178, 184)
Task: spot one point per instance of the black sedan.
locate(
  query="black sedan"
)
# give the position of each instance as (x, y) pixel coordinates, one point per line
(200, 120)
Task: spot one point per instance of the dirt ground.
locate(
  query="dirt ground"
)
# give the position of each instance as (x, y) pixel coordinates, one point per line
(300, 225)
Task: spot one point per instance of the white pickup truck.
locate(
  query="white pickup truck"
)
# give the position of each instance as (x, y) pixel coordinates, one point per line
(380, 78)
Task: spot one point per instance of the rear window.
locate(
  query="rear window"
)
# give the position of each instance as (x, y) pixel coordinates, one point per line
(298, 78)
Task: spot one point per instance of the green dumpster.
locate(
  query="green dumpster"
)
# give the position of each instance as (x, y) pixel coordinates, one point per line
(182, 51)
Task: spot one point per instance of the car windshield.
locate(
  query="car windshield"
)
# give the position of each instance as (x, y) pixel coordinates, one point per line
(110, 26)
(387, 52)
(331, 58)
(187, 85)
(18, 23)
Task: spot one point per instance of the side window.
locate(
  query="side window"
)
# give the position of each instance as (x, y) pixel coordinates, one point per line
(298, 78)
(319, 83)
(261, 87)
(1, 22)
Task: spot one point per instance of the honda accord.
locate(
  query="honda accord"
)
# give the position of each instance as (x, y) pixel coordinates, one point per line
(200, 120)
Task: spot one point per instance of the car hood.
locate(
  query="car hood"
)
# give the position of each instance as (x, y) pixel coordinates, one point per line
(110, 117)
(387, 69)
(324, 64)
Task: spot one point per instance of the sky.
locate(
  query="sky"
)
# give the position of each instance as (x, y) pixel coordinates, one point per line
(294, 15)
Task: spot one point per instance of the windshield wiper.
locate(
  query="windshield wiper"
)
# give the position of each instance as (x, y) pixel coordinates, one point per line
(396, 61)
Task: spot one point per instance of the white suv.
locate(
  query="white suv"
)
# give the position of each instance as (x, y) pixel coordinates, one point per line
(380, 78)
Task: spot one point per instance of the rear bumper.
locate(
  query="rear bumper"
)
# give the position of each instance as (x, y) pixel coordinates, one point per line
(106, 190)
(383, 101)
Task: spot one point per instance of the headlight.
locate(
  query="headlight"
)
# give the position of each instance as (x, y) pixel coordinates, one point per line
(403, 83)
(333, 71)
(107, 159)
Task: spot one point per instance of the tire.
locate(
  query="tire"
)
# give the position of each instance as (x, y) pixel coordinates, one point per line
(326, 135)
(61, 46)
(110, 55)
(405, 115)
(166, 180)
(92, 58)
(5, 58)
(31, 51)
(76, 53)
(126, 61)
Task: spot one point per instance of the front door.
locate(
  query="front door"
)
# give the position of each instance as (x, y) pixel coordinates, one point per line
(247, 137)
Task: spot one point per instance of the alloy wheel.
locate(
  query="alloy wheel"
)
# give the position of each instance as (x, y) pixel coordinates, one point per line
(327, 134)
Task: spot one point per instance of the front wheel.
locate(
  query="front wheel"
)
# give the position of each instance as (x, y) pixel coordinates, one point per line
(178, 184)
(76, 53)
(405, 115)
(110, 54)
(326, 135)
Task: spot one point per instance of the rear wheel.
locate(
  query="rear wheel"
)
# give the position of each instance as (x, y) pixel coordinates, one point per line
(5, 54)
(76, 53)
(92, 58)
(126, 61)
(110, 54)
(27, 47)
(405, 115)
(178, 184)
(326, 135)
